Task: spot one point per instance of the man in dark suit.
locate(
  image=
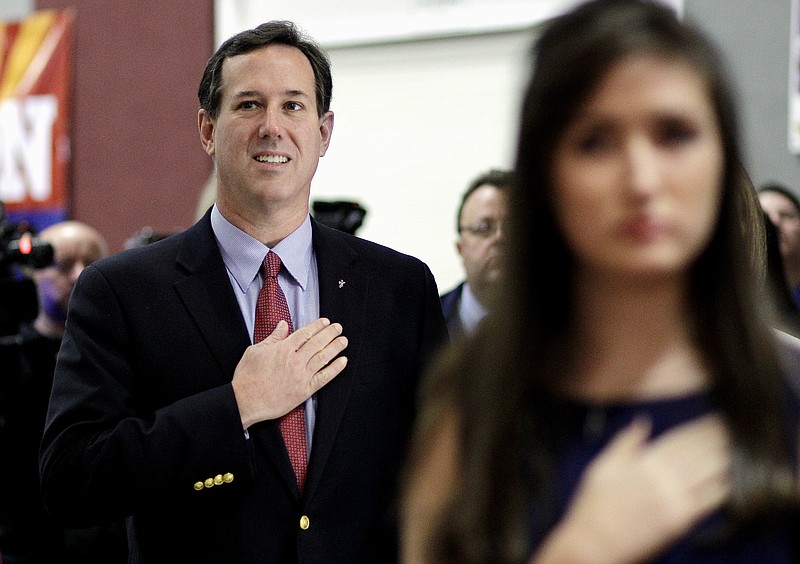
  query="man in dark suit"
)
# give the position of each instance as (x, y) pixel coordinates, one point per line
(479, 224)
(162, 410)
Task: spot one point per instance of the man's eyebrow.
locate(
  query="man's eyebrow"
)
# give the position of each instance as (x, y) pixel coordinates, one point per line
(246, 94)
(256, 94)
(295, 93)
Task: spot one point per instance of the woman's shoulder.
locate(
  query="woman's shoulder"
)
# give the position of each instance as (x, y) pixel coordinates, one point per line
(789, 351)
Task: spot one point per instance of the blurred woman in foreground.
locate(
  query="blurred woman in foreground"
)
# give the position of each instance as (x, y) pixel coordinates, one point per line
(630, 402)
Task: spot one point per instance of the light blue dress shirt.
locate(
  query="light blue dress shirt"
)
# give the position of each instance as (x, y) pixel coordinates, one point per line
(470, 309)
(243, 255)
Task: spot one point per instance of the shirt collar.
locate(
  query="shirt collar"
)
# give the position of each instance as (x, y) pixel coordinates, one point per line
(471, 310)
(244, 254)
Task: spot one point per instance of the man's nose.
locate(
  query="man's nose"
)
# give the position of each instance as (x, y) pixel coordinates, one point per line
(270, 126)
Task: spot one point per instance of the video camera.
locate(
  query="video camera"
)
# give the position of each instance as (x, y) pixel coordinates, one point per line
(19, 247)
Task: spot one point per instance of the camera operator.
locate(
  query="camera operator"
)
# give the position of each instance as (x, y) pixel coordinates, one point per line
(19, 248)
(27, 533)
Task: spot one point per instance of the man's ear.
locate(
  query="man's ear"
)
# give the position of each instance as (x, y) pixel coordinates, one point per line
(325, 132)
(205, 126)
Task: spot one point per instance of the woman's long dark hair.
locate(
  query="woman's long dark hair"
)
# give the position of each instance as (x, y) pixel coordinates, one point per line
(501, 379)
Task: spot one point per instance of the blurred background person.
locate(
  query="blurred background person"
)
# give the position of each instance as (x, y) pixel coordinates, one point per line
(777, 287)
(632, 406)
(145, 236)
(764, 240)
(480, 227)
(76, 245)
(27, 533)
(783, 208)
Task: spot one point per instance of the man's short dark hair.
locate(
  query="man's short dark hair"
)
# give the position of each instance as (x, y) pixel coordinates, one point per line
(277, 32)
(494, 177)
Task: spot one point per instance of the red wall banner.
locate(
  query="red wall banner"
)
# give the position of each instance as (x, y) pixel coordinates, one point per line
(35, 103)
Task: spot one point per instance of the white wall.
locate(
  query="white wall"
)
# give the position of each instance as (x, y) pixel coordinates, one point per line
(414, 123)
(755, 39)
(425, 97)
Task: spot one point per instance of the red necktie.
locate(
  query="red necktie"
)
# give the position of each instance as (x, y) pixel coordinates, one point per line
(271, 307)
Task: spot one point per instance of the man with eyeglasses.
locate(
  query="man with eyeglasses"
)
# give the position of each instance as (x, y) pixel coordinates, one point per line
(480, 230)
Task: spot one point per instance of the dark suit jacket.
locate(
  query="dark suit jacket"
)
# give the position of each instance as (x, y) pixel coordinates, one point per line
(142, 407)
(450, 301)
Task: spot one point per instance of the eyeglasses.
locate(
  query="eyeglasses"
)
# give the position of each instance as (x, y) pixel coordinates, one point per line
(484, 229)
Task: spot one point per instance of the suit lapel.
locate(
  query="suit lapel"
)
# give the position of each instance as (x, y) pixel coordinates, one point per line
(209, 300)
(208, 297)
(343, 287)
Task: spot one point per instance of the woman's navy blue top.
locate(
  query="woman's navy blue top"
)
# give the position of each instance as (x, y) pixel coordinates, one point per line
(587, 429)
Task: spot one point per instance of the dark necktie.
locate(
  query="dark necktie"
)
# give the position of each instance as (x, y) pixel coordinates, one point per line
(271, 307)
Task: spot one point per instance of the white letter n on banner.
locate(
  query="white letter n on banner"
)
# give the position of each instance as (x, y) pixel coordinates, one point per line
(26, 147)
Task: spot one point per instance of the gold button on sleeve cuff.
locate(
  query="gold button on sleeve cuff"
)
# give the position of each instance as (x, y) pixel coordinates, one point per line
(218, 480)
